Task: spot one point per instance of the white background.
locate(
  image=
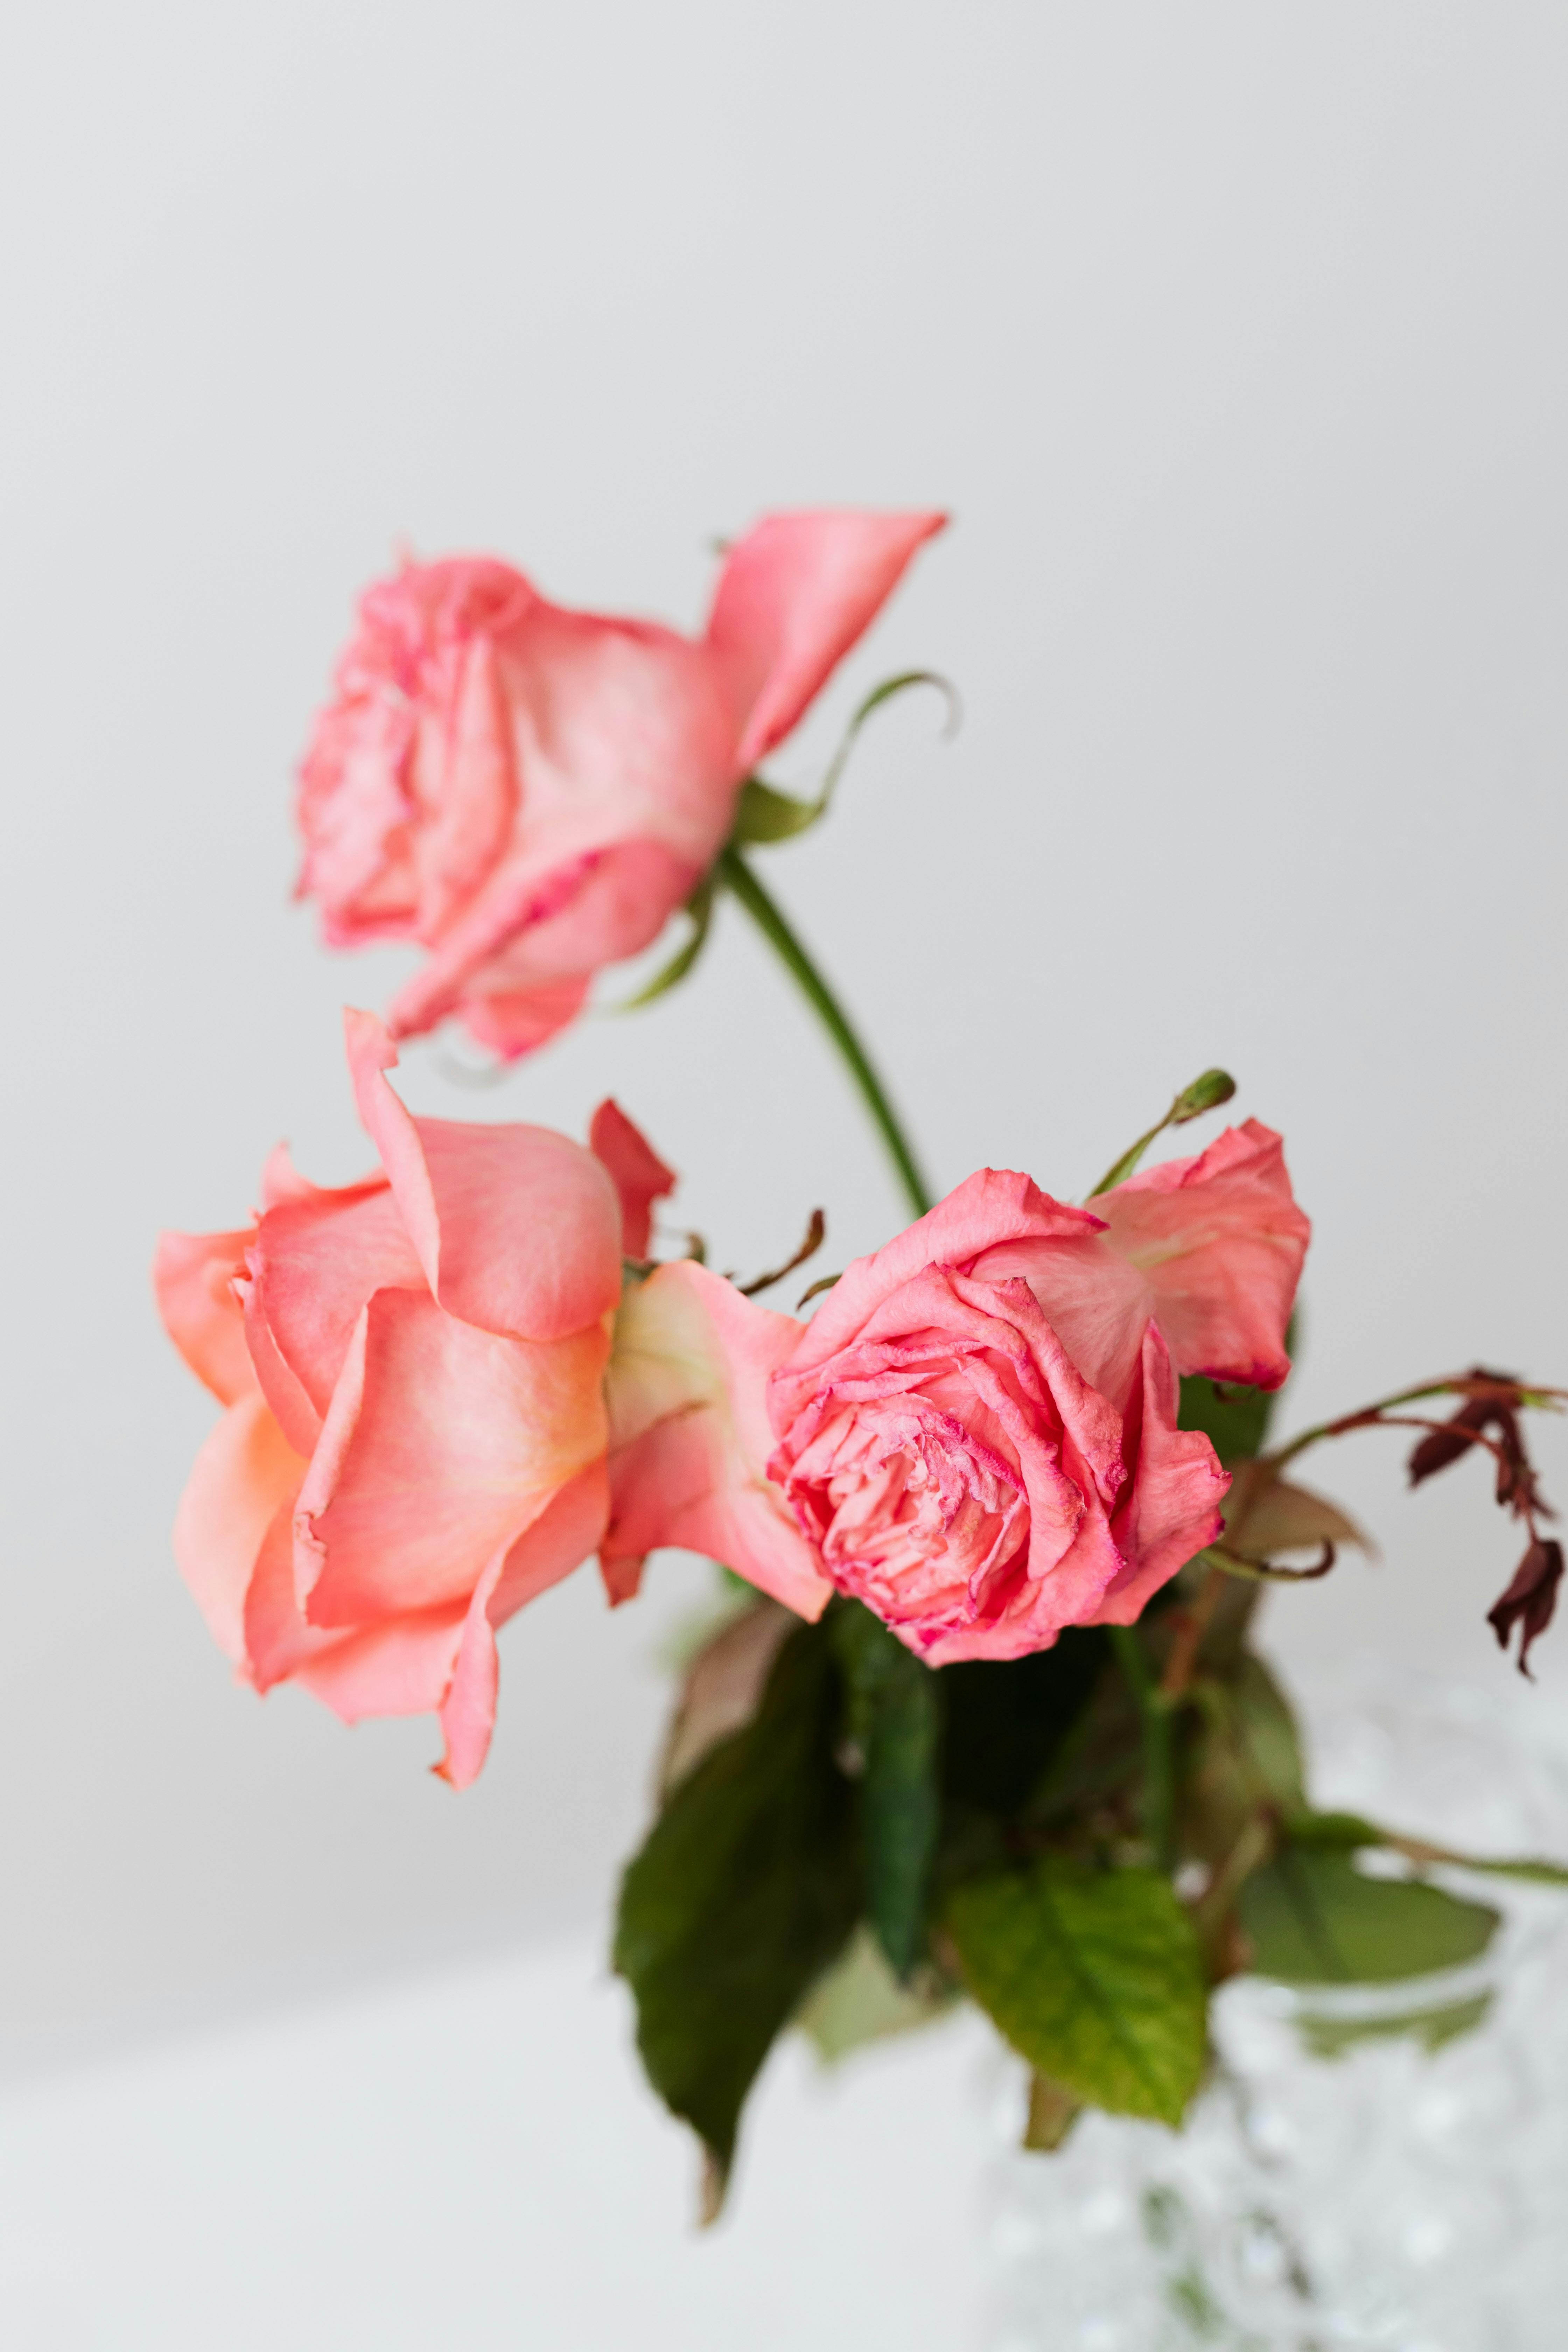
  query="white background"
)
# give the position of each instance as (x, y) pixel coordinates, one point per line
(1233, 336)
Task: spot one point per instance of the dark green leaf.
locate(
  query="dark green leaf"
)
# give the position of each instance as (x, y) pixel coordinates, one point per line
(895, 1719)
(1008, 1720)
(1094, 1976)
(1312, 1917)
(747, 1887)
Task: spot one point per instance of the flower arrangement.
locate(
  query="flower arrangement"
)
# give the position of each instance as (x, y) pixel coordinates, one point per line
(979, 1715)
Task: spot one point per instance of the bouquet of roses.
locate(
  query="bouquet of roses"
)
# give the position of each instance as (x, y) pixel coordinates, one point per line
(978, 1712)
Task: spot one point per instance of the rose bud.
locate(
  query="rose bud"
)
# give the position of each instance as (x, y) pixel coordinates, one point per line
(414, 1439)
(976, 1435)
(530, 792)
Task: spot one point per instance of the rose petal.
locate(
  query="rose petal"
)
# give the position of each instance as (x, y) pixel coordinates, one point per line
(442, 1444)
(795, 595)
(517, 1228)
(313, 1263)
(638, 1174)
(243, 1475)
(690, 1438)
(1220, 1241)
(989, 1208)
(1171, 1505)
(192, 1279)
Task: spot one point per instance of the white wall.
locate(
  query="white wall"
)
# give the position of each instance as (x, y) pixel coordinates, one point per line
(1233, 336)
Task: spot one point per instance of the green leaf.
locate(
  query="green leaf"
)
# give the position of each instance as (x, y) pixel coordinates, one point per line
(747, 1887)
(895, 1719)
(1351, 1830)
(700, 907)
(1331, 2037)
(1313, 1918)
(764, 814)
(1094, 1976)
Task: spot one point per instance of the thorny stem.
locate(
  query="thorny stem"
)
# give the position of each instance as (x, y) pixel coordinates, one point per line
(1371, 1415)
(738, 877)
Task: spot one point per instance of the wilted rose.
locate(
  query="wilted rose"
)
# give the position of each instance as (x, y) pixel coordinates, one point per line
(976, 1435)
(531, 792)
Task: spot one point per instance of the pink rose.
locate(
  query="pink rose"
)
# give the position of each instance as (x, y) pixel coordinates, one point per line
(976, 1435)
(414, 1439)
(531, 792)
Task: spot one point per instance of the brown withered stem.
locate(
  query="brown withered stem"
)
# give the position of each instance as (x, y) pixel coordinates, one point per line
(1488, 1417)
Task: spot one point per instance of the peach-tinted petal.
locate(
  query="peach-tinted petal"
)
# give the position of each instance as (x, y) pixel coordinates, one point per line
(517, 1228)
(795, 595)
(468, 1707)
(313, 1263)
(192, 1279)
(566, 1533)
(443, 1444)
(244, 1473)
(690, 1438)
(403, 1666)
(638, 1174)
(1220, 1241)
(555, 1544)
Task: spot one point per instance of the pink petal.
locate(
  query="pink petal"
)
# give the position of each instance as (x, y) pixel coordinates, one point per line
(1220, 1241)
(520, 1020)
(535, 927)
(795, 595)
(690, 1438)
(517, 1228)
(192, 1278)
(987, 1209)
(245, 1474)
(638, 1172)
(442, 1444)
(1171, 1509)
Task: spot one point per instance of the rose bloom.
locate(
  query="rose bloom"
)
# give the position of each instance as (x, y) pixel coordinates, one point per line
(976, 1433)
(414, 1445)
(531, 792)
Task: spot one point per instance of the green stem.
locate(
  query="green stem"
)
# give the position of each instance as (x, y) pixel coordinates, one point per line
(738, 877)
(1159, 1773)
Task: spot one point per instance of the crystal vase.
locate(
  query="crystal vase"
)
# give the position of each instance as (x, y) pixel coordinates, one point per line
(1367, 2167)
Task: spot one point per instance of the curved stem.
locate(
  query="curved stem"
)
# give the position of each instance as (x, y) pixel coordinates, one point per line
(738, 877)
